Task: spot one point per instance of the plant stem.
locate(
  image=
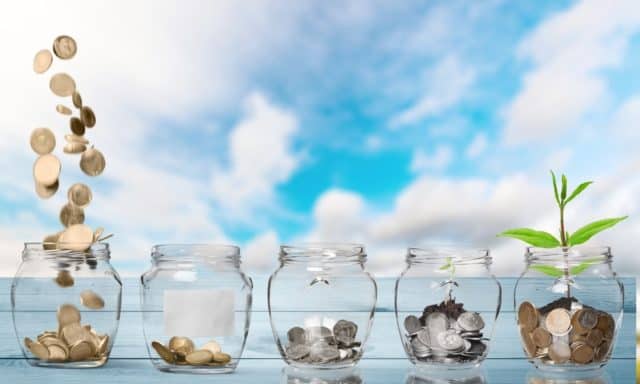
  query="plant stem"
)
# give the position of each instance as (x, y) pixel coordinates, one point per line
(565, 241)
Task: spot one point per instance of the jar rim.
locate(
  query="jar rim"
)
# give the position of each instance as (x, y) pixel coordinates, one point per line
(34, 249)
(186, 252)
(575, 253)
(457, 255)
(330, 251)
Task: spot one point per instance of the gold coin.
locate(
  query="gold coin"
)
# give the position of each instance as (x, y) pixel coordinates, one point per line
(82, 350)
(76, 99)
(606, 324)
(74, 148)
(96, 235)
(71, 214)
(221, 357)
(582, 354)
(182, 346)
(576, 325)
(42, 61)
(103, 345)
(528, 316)
(28, 342)
(79, 195)
(46, 170)
(559, 352)
(199, 357)
(56, 353)
(92, 162)
(39, 350)
(62, 85)
(63, 110)
(602, 352)
(595, 337)
(64, 279)
(76, 139)
(212, 347)
(42, 141)
(164, 352)
(541, 338)
(68, 314)
(91, 300)
(77, 237)
(77, 126)
(73, 333)
(527, 342)
(88, 117)
(65, 47)
(46, 191)
(558, 322)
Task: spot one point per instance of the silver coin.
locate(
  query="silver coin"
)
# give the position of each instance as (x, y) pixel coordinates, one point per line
(451, 341)
(412, 325)
(323, 352)
(470, 321)
(92, 163)
(437, 322)
(424, 337)
(296, 335)
(314, 334)
(65, 47)
(345, 328)
(297, 351)
(419, 349)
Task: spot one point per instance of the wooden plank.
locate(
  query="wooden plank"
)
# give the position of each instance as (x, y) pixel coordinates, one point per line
(494, 371)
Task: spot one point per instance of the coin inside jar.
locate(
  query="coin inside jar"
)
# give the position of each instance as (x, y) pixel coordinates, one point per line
(527, 316)
(92, 162)
(64, 279)
(79, 195)
(77, 126)
(199, 357)
(68, 314)
(62, 85)
(541, 338)
(558, 322)
(164, 352)
(88, 117)
(46, 170)
(42, 141)
(212, 346)
(181, 345)
(65, 47)
(42, 61)
(91, 300)
(71, 214)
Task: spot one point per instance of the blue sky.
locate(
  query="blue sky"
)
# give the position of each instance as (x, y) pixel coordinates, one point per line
(389, 124)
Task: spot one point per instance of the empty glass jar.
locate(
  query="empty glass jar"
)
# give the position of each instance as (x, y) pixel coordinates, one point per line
(446, 304)
(66, 306)
(321, 304)
(569, 306)
(196, 308)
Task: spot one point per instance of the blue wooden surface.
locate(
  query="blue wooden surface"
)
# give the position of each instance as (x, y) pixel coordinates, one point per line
(384, 360)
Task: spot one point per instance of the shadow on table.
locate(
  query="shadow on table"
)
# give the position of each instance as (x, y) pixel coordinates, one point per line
(597, 377)
(416, 375)
(291, 375)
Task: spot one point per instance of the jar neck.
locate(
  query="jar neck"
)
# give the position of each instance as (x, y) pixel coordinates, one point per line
(40, 251)
(174, 254)
(448, 256)
(323, 254)
(571, 256)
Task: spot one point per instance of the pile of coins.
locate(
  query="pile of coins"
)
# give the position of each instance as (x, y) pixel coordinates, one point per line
(46, 170)
(323, 345)
(71, 342)
(446, 333)
(182, 351)
(565, 332)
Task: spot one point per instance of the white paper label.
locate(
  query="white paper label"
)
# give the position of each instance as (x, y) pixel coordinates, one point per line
(199, 313)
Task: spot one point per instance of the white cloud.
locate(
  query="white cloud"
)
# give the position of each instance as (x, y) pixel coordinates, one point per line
(559, 159)
(477, 146)
(439, 160)
(373, 143)
(260, 254)
(261, 156)
(445, 86)
(339, 216)
(569, 51)
(626, 120)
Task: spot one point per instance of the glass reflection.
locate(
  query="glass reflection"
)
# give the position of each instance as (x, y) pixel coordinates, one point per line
(597, 377)
(416, 375)
(292, 375)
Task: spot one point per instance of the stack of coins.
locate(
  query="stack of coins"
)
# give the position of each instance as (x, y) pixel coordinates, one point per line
(446, 333)
(323, 345)
(71, 342)
(565, 331)
(182, 351)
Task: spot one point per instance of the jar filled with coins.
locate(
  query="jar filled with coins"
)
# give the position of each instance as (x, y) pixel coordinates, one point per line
(196, 308)
(446, 304)
(66, 305)
(569, 306)
(321, 304)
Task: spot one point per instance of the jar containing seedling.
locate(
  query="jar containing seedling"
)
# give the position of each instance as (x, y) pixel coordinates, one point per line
(568, 301)
(321, 304)
(196, 308)
(66, 304)
(447, 302)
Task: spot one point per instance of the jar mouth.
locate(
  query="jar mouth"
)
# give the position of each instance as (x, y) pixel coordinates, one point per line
(457, 256)
(39, 250)
(195, 252)
(577, 254)
(323, 251)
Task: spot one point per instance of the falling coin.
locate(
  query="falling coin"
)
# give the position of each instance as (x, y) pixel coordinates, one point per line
(64, 279)
(65, 47)
(71, 214)
(50, 241)
(88, 117)
(62, 85)
(79, 195)
(42, 61)
(76, 99)
(77, 126)
(77, 237)
(46, 170)
(92, 162)
(74, 148)
(91, 300)
(42, 141)
(46, 191)
(76, 139)
(63, 110)
(68, 314)
(558, 322)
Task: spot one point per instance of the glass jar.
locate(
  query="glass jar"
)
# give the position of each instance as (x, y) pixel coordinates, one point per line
(321, 305)
(66, 306)
(196, 308)
(569, 306)
(447, 302)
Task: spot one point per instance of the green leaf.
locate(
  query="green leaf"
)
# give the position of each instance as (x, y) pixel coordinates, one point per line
(563, 193)
(578, 269)
(578, 190)
(588, 231)
(555, 187)
(548, 270)
(533, 237)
